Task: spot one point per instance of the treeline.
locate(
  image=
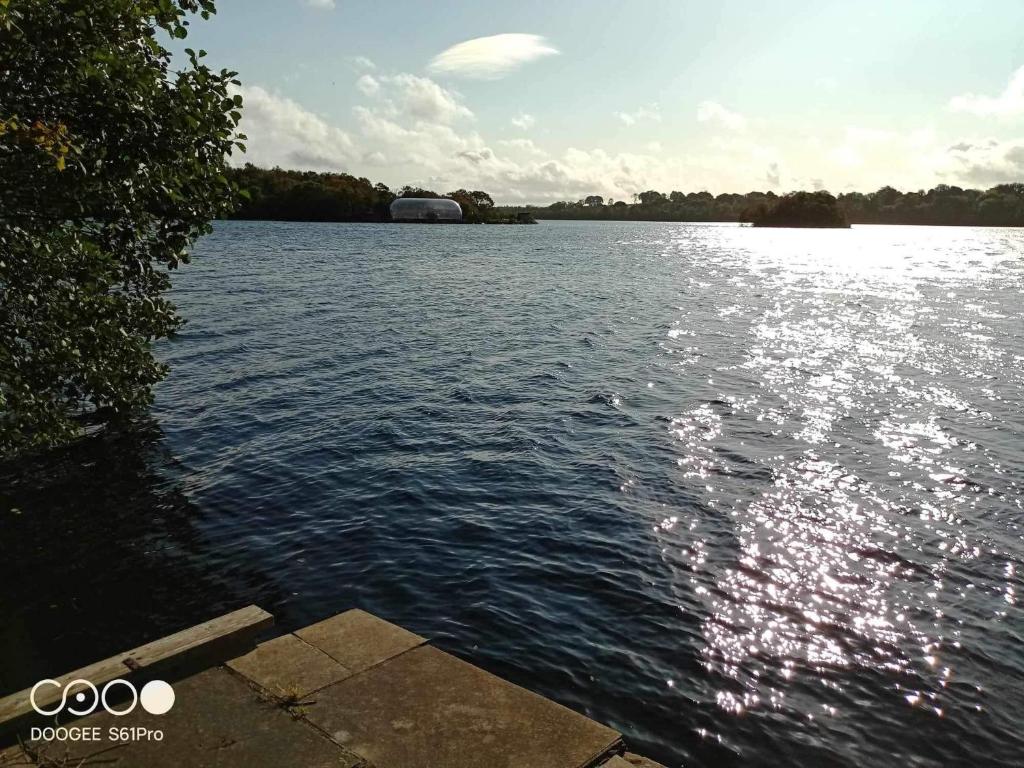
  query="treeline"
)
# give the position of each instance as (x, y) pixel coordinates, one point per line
(310, 196)
(1002, 205)
(282, 195)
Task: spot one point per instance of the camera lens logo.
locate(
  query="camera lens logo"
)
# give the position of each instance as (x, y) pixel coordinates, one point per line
(80, 697)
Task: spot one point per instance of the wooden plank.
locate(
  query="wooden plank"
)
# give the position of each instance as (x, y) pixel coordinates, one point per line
(203, 645)
(190, 650)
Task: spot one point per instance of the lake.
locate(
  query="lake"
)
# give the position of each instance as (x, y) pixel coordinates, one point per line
(752, 497)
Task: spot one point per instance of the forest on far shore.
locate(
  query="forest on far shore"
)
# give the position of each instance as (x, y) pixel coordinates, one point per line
(1000, 206)
(285, 195)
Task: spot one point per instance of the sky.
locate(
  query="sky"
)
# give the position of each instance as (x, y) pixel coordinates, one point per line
(542, 101)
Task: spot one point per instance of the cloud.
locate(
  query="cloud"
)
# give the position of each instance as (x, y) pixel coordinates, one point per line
(410, 130)
(524, 121)
(523, 146)
(415, 97)
(713, 112)
(986, 162)
(444, 155)
(362, 62)
(489, 58)
(1010, 102)
(644, 114)
(368, 85)
(858, 143)
(324, 4)
(281, 132)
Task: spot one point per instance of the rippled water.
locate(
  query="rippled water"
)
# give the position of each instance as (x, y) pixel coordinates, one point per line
(752, 497)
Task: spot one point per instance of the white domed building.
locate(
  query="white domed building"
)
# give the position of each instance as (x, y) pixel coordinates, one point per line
(426, 210)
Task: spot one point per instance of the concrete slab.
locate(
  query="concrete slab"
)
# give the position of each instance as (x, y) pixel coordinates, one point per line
(288, 667)
(177, 655)
(428, 709)
(617, 762)
(359, 640)
(13, 756)
(217, 721)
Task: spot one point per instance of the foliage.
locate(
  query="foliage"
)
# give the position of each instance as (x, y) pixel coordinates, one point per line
(1002, 205)
(273, 193)
(111, 165)
(308, 196)
(799, 209)
(476, 206)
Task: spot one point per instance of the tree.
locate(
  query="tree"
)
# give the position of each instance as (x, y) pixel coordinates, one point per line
(593, 200)
(111, 165)
(470, 210)
(651, 197)
(408, 191)
(1002, 205)
(482, 200)
(799, 209)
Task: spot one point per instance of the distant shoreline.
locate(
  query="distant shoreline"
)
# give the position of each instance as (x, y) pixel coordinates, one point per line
(276, 194)
(624, 221)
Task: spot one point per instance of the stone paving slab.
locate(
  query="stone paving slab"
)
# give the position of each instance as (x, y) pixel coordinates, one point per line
(428, 709)
(359, 640)
(218, 721)
(13, 756)
(289, 667)
(177, 655)
(617, 762)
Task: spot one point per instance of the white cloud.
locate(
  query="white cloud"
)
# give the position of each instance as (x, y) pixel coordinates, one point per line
(649, 114)
(488, 58)
(412, 96)
(281, 132)
(524, 121)
(437, 155)
(523, 145)
(324, 4)
(1009, 102)
(409, 129)
(362, 62)
(368, 85)
(713, 112)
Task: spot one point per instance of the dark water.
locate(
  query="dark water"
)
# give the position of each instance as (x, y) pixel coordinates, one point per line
(752, 497)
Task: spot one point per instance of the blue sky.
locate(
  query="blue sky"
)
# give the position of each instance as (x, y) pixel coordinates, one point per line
(539, 101)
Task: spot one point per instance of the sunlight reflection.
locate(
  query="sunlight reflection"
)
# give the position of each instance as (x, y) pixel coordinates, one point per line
(845, 481)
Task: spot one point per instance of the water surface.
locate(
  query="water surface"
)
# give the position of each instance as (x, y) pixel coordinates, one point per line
(752, 497)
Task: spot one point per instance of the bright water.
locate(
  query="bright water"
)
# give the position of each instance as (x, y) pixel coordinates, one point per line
(752, 497)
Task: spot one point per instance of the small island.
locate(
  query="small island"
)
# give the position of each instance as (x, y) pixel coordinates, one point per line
(799, 209)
